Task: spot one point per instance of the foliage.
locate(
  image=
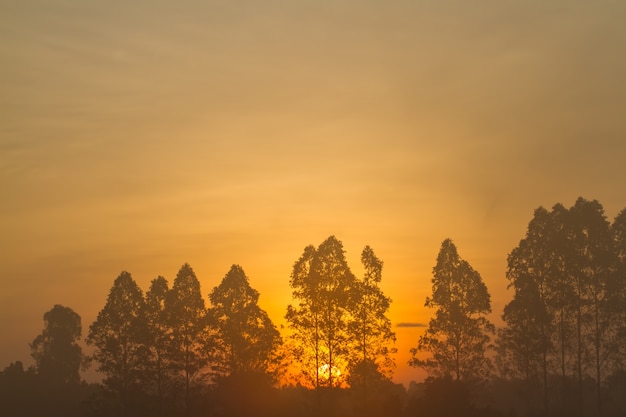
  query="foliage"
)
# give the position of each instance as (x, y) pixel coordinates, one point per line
(324, 287)
(246, 339)
(187, 352)
(370, 327)
(57, 355)
(118, 338)
(458, 336)
(564, 318)
(158, 375)
(563, 341)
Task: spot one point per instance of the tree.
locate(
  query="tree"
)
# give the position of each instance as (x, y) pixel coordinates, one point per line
(118, 337)
(457, 337)
(157, 373)
(247, 339)
(566, 300)
(596, 323)
(56, 352)
(304, 320)
(618, 291)
(370, 327)
(324, 287)
(526, 340)
(27, 393)
(186, 316)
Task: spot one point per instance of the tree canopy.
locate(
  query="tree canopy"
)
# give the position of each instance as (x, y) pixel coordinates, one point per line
(57, 355)
(246, 339)
(458, 336)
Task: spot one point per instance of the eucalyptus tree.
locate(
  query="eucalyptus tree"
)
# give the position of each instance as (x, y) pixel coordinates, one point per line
(372, 335)
(118, 338)
(57, 355)
(324, 289)
(527, 337)
(246, 341)
(187, 351)
(304, 319)
(597, 324)
(618, 304)
(157, 339)
(566, 293)
(457, 337)
(562, 293)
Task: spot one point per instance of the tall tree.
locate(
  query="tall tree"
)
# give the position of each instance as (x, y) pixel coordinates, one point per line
(562, 296)
(158, 333)
(526, 339)
(457, 337)
(56, 352)
(118, 338)
(186, 316)
(324, 287)
(247, 340)
(618, 291)
(592, 260)
(304, 320)
(568, 261)
(370, 327)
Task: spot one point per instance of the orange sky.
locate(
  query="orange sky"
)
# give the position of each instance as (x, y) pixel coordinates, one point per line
(141, 135)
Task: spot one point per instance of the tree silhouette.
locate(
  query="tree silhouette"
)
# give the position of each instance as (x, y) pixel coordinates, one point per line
(526, 340)
(457, 337)
(618, 290)
(186, 316)
(324, 287)
(592, 259)
(304, 320)
(118, 338)
(618, 304)
(56, 352)
(158, 372)
(246, 338)
(566, 303)
(371, 361)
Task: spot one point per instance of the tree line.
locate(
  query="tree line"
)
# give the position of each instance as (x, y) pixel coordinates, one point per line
(560, 351)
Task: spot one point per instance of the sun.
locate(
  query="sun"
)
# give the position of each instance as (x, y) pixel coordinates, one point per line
(324, 371)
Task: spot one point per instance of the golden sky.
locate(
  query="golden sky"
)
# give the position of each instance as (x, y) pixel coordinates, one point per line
(145, 134)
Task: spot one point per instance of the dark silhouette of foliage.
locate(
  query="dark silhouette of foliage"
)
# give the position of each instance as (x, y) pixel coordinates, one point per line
(57, 355)
(371, 362)
(305, 319)
(245, 394)
(324, 286)
(458, 336)
(118, 338)
(157, 374)
(618, 289)
(246, 340)
(526, 342)
(563, 319)
(373, 393)
(561, 352)
(448, 397)
(596, 325)
(188, 352)
(370, 327)
(52, 387)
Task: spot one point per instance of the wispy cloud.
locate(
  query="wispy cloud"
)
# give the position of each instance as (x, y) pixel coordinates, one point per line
(410, 324)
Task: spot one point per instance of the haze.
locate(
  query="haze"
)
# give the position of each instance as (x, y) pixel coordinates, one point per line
(142, 135)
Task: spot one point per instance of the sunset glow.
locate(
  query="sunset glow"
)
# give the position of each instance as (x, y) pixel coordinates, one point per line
(139, 136)
(326, 375)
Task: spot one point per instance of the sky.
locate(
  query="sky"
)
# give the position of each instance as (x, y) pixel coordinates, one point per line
(142, 135)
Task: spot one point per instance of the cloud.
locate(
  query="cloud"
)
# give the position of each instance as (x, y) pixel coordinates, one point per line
(409, 324)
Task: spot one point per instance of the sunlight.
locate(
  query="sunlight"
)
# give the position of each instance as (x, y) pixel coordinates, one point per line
(324, 371)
